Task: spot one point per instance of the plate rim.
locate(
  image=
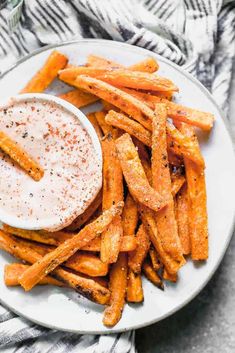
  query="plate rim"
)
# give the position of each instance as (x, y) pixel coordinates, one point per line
(226, 124)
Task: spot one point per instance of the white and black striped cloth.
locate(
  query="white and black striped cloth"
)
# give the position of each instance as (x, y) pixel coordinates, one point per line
(196, 34)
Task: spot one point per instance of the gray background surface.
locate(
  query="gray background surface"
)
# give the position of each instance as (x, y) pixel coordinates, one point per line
(207, 324)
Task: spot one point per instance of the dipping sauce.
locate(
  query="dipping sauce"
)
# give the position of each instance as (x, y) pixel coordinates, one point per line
(56, 139)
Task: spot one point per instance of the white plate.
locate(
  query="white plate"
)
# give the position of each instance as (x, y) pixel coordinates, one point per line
(64, 309)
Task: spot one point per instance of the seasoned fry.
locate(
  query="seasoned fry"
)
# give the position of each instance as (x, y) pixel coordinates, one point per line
(12, 273)
(134, 291)
(176, 183)
(128, 243)
(122, 122)
(166, 222)
(135, 176)
(52, 260)
(198, 223)
(92, 118)
(156, 264)
(42, 79)
(78, 98)
(177, 112)
(152, 275)
(85, 286)
(50, 238)
(169, 277)
(106, 128)
(182, 212)
(145, 159)
(120, 77)
(112, 194)
(182, 144)
(99, 61)
(127, 103)
(87, 263)
(117, 287)
(147, 65)
(173, 158)
(129, 216)
(136, 257)
(86, 215)
(21, 157)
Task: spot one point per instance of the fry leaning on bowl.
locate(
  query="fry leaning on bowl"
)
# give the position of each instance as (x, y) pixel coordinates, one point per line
(93, 202)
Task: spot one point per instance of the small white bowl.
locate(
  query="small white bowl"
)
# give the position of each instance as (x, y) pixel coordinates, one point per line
(60, 103)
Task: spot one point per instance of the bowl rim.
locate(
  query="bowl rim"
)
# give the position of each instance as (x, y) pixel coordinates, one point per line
(13, 221)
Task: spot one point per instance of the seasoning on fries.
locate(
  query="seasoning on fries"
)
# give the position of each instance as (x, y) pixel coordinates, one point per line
(105, 251)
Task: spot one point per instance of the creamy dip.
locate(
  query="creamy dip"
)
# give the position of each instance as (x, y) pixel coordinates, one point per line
(55, 138)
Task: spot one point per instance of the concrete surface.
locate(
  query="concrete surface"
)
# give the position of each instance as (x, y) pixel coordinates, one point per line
(207, 324)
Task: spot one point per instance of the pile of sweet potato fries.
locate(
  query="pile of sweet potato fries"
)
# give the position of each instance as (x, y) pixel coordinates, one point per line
(151, 213)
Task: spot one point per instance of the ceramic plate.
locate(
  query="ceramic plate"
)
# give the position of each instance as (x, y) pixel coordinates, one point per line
(64, 309)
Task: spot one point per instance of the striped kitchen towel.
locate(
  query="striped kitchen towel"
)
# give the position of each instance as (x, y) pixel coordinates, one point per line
(199, 35)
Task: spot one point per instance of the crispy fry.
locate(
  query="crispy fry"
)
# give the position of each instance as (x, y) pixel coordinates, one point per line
(86, 215)
(177, 112)
(42, 79)
(78, 98)
(145, 159)
(21, 157)
(12, 273)
(134, 291)
(136, 257)
(129, 216)
(87, 263)
(183, 145)
(99, 61)
(92, 118)
(198, 223)
(117, 287)
(177, 182)
(122, 122)
(112, 193)
(135, 176)
(52, 260)
(128, 243)
(182, 212)
(166, 222)
(85, 286)
(120, 77)
(106, 128)
(127, 103)
(147, 65)
(173, 158)
(169, 277)
(152, 275)
(50, 238)
(156, 264)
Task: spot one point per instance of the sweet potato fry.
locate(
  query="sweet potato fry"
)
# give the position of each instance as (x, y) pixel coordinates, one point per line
(135, 176)
(183, 145)
(112, 194)
(117, 287)
(156, 264)
(12, 273)
(78, 98)
(173, 158)
(177, 112)
(182, 211)
(169, 277)
(50, 238)
(85, 286)
(120, 77)
(88, 264)
(21, 157)
(145, 159)
(92, 118)
(52, 260)
(106, 128)
(134, 291)
(129, 216)
(152, 275)
(176, 183)
(128, 243)
(198, 223)
(42, 79)
(147, 65)
(130, 126)
(86, 215)
(166, 222)
(136, 257)
(127, 103)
